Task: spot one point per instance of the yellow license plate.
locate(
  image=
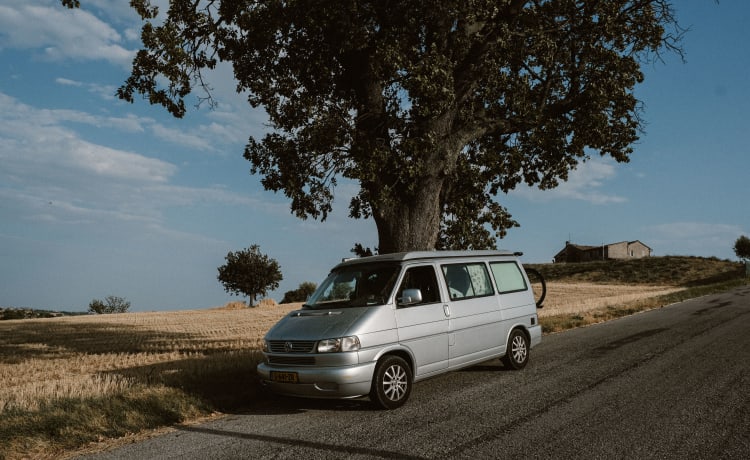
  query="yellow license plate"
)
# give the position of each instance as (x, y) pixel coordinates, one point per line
(284, 377)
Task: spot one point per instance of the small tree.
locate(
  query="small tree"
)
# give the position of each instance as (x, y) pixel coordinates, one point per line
(111, 304)
(250, 273)
(302, 293)
(742, 248)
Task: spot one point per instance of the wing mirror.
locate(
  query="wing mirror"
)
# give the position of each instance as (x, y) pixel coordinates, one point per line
(410, 297)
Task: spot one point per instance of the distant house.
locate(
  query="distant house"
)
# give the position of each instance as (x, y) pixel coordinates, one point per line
(622, 250)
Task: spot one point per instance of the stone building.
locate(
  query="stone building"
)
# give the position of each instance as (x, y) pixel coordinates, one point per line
(622, 250)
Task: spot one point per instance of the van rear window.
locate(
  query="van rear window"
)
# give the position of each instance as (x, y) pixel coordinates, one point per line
(467, 280)
(508, 277)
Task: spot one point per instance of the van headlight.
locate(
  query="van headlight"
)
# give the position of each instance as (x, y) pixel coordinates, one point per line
(350, 343)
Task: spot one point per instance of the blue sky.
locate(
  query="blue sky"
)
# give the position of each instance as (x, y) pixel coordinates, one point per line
(100, 197)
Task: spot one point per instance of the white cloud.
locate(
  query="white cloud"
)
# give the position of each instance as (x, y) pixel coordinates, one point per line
(584, 184)
(60, 33)
(35, 140)
(51, 175)
(68, 82)
(106, 92)
(111, 163)
(182, 137)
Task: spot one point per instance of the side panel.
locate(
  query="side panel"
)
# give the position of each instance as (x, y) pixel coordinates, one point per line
(424, 330)
(475, 330)
(474, 313)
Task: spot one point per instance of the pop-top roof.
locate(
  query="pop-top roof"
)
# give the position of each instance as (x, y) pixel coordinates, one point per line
(428, 255)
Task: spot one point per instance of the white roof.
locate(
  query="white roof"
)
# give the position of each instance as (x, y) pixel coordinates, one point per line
(415, 255)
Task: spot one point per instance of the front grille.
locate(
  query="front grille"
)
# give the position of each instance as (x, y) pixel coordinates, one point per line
(292, 360)
(291, 346)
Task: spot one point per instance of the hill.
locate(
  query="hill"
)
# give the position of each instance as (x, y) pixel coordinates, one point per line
(684, 271)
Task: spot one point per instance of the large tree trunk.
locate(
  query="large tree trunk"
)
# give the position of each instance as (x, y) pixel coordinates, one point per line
(411, 224)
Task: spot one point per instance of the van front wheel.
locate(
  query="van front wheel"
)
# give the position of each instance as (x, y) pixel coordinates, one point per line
(391, 384)
(517, 354)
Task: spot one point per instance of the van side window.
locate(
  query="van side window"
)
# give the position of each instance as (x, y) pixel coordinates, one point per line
(424, 279)
(467, 280)
(508, 277)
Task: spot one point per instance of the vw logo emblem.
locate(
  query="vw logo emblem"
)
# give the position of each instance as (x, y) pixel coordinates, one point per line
(288, 347)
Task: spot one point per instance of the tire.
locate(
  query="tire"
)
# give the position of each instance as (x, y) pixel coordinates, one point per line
(391, 384)
(517, 354)
(536, 278)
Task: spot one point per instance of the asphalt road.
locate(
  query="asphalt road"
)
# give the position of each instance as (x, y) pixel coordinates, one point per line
(669, 383)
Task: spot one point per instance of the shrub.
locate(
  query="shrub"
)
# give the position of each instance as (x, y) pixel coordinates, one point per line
(302, 293)
(111, 304)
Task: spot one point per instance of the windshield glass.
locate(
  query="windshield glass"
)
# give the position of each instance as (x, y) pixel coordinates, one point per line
(355, 286)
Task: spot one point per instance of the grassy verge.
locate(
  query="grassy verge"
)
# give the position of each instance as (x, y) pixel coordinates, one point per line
(65, 425)
(558, 323)
(163, 395)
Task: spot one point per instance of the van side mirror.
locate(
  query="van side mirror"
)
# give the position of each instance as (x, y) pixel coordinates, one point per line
(410, 297)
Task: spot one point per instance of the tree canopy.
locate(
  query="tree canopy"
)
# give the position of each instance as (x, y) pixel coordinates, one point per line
(250, 273)
(435, 108)
(301, 294)
(742, 247)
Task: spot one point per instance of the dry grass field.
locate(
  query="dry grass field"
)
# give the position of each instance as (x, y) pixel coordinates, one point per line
(66, 382)
(576, 298)
(92, 356)
(71, 381)
(43, 360)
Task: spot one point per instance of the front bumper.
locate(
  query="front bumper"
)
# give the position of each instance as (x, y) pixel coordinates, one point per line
(321, 382)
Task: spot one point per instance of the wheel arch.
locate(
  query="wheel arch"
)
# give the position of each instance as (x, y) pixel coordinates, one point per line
(397, 350)
(519, 326)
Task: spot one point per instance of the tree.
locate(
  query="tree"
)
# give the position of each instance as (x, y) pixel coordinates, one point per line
(250, 273)
(361, 251)
(110, 304)
(742, 248)
(302, 293)
(432, 107)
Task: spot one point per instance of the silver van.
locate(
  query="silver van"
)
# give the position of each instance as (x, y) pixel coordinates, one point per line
(378, 324)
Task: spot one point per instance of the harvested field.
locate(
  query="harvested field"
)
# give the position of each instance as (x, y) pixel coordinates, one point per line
(92, 356)
(42, 360)
(575, 298)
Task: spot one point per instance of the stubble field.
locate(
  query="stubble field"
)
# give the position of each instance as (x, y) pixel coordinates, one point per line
(94, 356)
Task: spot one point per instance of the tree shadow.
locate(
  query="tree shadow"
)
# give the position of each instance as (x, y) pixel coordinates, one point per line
(50, 339)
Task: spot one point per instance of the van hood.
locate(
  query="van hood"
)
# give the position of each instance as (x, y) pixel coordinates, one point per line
(316, 324)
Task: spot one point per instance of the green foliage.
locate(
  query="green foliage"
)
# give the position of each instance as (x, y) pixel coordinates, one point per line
(302, 293)
(742, 248)
(360, 251)
(433, 107)
(111, 304)
(250, 273)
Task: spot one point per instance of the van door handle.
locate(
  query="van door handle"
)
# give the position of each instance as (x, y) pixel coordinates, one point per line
(447, 310)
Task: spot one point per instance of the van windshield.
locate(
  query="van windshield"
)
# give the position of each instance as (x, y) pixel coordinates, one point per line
(355, 286)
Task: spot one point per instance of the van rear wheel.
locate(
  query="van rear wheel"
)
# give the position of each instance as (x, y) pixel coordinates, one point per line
(391, 384)
(517, 354)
